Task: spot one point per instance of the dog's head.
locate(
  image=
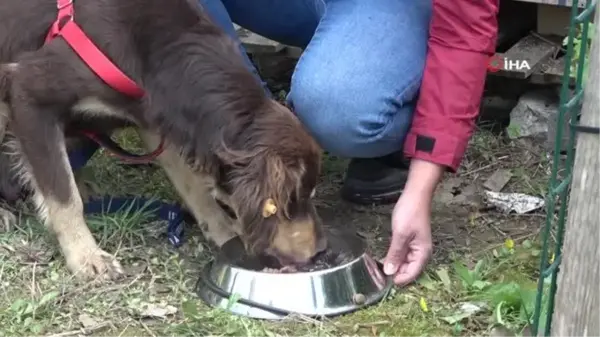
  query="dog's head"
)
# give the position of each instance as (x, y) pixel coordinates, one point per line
(270, 179)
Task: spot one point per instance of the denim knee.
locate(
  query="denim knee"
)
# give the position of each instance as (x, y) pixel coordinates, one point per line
(349, 119)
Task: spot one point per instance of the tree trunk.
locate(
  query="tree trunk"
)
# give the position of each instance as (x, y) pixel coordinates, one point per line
(577, 306)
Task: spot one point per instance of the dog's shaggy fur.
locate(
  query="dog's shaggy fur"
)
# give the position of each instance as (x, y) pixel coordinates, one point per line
(226, 140)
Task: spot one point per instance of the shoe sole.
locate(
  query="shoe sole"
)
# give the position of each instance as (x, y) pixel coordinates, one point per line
(371, 198)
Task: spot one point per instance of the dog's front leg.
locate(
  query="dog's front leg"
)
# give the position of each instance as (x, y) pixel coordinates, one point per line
(46, 167)
(10, 191)
(195, 189)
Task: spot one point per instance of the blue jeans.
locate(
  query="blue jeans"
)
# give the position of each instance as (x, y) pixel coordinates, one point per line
(356, 84)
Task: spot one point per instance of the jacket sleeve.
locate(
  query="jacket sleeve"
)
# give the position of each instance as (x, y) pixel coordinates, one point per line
(462, 38)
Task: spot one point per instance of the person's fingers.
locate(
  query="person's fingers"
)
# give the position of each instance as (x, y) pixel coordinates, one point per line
(396, 254)
(412, 268)
(404, 267)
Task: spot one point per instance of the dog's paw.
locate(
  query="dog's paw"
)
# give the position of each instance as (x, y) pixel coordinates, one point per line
(94, 263)
(7, 220)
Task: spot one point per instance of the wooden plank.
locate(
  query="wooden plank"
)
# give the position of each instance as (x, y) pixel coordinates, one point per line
(568, 3)
(555, 67)
(553, 20)
(257, 44)
(525, 57)
(551, 72)
(294, 52)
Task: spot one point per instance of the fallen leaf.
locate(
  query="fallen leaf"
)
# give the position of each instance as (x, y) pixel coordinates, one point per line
(466, 310)
(442, 273)
(453, 319)
(471, 308)
(426, 282)
(87, 321)
(158, 310)
(136, 269)
(478, 284)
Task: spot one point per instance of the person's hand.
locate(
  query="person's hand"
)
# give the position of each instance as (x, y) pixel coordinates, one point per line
(411, 245)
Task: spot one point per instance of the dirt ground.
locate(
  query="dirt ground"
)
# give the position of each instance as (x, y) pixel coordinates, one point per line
(39, 297)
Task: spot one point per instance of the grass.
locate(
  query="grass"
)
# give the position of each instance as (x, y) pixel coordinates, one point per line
(483, 274)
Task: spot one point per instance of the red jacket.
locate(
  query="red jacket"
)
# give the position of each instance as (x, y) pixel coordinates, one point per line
(462, 39)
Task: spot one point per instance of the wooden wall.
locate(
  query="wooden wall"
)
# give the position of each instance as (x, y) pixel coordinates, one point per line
(569, 3)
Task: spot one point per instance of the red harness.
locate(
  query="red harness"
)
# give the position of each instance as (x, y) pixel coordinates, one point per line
(100, 65)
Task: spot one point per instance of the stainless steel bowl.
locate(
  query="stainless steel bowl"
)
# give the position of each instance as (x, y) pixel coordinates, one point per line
(243, 289)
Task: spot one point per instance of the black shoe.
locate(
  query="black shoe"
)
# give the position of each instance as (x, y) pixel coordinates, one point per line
(375, 181)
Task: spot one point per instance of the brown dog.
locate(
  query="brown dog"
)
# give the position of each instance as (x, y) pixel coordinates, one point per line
(226, 140)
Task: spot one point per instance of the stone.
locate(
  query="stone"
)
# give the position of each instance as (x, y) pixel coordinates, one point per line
(498, 180)
(535, 116)
(257, 44)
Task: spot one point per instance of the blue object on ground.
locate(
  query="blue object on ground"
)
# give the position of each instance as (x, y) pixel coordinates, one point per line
(172, 213)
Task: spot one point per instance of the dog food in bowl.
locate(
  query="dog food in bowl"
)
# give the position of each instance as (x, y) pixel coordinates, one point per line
(325, 260)
(338, 252)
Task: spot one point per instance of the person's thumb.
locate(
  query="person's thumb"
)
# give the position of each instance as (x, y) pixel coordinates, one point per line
(396, 253)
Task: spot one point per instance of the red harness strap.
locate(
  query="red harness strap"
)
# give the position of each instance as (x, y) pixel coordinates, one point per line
(96, 61)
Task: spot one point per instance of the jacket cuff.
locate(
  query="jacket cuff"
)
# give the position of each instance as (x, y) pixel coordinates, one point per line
(436, 147)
